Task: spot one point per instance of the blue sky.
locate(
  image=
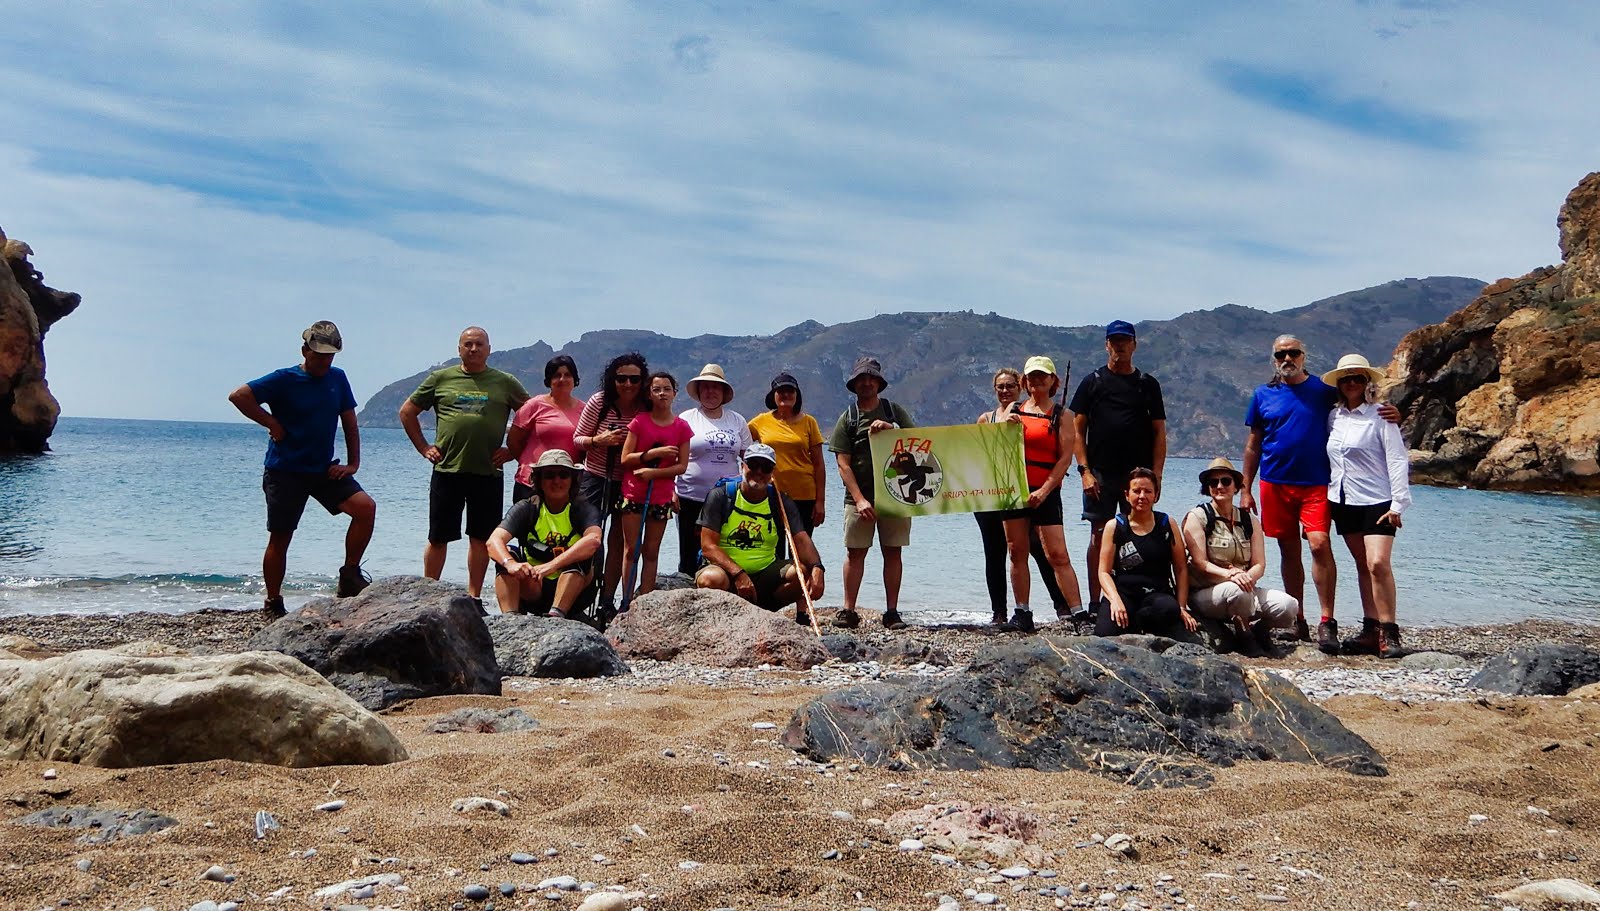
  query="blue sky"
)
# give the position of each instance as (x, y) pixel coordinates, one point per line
(215, 176)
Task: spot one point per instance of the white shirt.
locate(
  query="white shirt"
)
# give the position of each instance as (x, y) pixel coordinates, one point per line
(714, 451)
(1368, 458)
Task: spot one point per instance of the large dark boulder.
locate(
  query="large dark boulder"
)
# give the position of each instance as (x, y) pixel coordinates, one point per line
(1540, 670)
(405, 637)
(713, 628)
(1056, 703)
(530, 646)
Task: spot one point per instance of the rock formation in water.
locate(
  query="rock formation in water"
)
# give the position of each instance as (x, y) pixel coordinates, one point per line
(28, 308)
(1505, 393)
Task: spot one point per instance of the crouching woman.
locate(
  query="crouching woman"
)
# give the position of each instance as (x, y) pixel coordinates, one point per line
(1144, 567)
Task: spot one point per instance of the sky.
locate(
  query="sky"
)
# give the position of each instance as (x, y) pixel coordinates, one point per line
(213, 177)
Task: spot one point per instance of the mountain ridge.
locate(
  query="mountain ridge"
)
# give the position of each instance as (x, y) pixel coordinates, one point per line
(939, 362)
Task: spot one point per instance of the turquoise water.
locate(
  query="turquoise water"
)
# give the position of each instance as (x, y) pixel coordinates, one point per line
(168, 516)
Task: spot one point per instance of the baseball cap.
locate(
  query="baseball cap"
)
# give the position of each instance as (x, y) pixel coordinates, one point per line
(323, 338)
(761, 451)
(1120, 327)
(1039, 364)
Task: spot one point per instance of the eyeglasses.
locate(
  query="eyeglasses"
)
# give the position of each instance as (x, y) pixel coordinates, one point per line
(1224, 481)
(1285, 355)
(1005, 387)
(629, 379)
(1354, 378)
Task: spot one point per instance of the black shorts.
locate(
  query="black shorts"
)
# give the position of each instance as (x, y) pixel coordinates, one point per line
(1105, 507)
(1047, 513)
(287, 492)
(483, 496)
(1360, 520)
(767, 582)
(541, 603)
(593, 488)
(515, 550)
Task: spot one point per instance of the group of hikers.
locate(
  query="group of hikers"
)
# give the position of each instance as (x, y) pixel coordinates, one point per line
(599, 479)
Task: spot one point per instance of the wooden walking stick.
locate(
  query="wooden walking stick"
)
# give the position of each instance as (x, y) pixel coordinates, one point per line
(788, 534)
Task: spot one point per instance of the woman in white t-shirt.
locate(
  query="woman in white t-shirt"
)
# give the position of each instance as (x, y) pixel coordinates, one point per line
(721, 436)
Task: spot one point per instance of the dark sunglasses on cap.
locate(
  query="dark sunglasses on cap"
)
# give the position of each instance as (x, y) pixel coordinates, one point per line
(1220, 481)
(631, 379)
(1285, 355)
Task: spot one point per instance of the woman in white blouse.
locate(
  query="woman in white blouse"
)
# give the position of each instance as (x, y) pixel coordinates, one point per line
(1369, 490)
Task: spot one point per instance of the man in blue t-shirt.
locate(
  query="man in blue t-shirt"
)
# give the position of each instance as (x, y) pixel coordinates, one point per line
(301, 406)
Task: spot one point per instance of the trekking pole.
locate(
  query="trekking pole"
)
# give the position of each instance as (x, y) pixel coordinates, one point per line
(628, 576)
(788, 534)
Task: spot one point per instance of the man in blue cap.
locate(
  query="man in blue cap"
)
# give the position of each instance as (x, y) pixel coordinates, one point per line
(1122, 425)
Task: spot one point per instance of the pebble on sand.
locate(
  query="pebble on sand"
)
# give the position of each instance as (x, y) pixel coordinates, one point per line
(471, 804)
(476, 892)
(332, 806)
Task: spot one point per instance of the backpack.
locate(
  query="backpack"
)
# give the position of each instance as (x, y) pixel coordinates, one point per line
(855, 418)
(1212, 519)
(1123, 534)
(1055, 416)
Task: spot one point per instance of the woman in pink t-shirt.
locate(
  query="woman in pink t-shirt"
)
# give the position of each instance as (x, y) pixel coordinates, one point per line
(545, 422)
(656, 451)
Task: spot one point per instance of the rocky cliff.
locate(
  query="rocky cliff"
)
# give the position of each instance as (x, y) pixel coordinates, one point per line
(28, 308)
(1506, 392)
(939, 364)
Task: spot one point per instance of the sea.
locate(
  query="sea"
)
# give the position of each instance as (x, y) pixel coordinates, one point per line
(168, 516)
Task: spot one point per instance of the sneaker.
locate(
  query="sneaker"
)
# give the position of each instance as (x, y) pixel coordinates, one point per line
(351, 581)
(847, 619)
(891, 620)
(1328, 637)
(1080, 617)
(1022, 620)
(1302, 632)
(1366, 643)
(273, 607)
(1389, 641)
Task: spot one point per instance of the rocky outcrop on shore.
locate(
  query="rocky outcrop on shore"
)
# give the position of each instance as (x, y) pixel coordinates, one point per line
(1503, 393)
(28, 308)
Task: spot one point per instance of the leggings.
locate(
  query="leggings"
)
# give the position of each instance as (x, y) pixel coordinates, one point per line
(1149, 611)
(995, 561)
(689, 536)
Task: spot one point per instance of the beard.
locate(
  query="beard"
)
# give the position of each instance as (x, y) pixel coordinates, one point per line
(1289, 370)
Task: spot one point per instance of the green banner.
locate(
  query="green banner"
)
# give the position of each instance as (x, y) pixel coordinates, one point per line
(926, 471)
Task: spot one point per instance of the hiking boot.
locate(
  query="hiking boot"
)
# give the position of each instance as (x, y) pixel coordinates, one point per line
(1328, 637)
(1261, 631)
(273, 607)
(1389, 641)
(1366, 643)
(847, 619)
(1022, 621)
(1000, 623)
(802, 618)
(1302, 632)
(351, 581)
(891, 620)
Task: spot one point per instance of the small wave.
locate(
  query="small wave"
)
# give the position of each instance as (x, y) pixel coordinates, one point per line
(195, 582)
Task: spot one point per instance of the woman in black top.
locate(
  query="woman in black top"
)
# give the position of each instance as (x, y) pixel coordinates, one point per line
(1144, 568)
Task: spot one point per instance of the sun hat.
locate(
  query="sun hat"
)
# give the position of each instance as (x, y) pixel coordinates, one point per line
(866, 366)
(781, 381)
(761, 451)
(323, 338)
(710, 373)
(552, 458)
(1352, 363)
(1120, 327)
(1221, 464)
(1039, 364)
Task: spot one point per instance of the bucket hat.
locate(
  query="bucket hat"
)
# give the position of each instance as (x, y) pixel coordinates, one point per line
(710, 373)
(866, 366)
(552, 458)
(323, 338)
(781, 381)
(1222, 464)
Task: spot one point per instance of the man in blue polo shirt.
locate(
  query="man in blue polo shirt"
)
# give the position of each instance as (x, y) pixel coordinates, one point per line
(301, 406)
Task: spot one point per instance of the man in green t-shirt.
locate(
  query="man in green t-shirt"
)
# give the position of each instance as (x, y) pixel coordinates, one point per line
(472, 401)
(852, 450)
(742, 535)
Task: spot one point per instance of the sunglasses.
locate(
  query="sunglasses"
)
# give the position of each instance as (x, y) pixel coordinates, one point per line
(1004, 387)
(629, 379)
(759, 467)
(1224, 481)
(1353, 378)
(1285, 355)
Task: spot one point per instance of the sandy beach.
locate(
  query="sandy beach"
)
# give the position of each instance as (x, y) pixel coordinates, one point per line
(670, 788)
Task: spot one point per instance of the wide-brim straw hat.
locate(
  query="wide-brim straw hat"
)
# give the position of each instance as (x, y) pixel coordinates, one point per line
(1352, 363)
(710, 373)
(1221, 464)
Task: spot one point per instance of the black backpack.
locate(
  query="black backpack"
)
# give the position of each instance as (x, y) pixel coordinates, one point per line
(1212, 519)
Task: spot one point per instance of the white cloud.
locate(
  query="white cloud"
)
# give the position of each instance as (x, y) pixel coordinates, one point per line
(215, 178)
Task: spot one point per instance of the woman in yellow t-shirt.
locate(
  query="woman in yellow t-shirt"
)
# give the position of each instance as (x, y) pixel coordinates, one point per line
(796, 438)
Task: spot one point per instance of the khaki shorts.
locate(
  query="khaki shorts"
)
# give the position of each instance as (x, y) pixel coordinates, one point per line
(892, 532)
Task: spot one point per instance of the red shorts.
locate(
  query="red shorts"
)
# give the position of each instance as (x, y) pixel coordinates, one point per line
(1287, 508)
